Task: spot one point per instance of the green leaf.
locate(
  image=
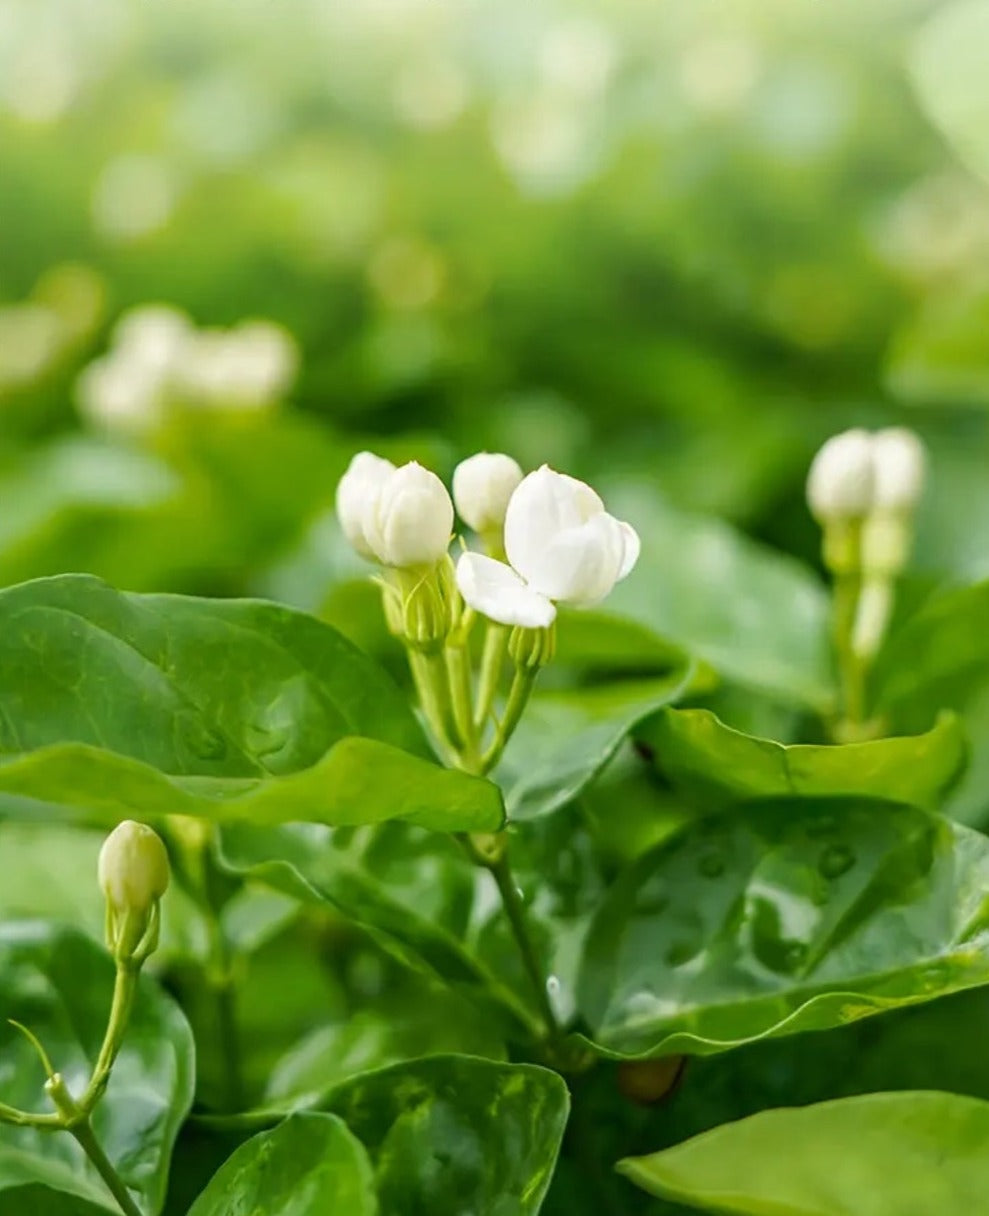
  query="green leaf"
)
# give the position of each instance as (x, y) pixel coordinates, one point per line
(310, 1165)
(898, 1154)
(565, 739)
(127, 705)
(947, 64)
(58, 983)
(757, 616)
(720, 766)
(939, 660)
(790, 915)
(453, 1134)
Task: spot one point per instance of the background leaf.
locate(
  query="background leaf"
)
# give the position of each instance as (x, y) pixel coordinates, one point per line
(717, 765)
(903, 1154)
(785, 916)
(310, 1165)
(147, 705)
(58, 983)
(454, 1134)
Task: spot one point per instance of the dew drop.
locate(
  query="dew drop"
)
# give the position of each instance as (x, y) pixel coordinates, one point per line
(711, 865)
(837, 859)
(553, 985)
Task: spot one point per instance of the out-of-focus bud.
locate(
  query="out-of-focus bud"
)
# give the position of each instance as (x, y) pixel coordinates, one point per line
(411, 522)
(482, 487)
(841, 482)
(357, 497)
(899, 462)
(133, 873)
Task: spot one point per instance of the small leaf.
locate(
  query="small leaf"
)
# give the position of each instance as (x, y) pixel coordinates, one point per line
(310, 1165)
(893, 1154)
(565, 739)
(786, 916)
(720, 766)
(59, 983)
(125, 705)
(453, 1134)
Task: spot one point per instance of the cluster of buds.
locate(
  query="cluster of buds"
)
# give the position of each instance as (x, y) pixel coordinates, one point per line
(546, 539)
(158, 360)
(863, 489)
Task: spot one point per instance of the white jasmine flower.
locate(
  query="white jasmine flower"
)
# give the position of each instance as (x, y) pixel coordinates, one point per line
(898, 460)
(401, 517)
(357, 496)
(562, 547)
(482, 487)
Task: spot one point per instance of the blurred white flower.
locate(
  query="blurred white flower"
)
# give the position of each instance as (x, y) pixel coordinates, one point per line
(482, 487)
(841, 482)
(134, 196)
(562, 547)
(247, 367)
(899, 461)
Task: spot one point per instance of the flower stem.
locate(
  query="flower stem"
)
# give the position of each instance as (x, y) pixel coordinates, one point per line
(851, 672)
(433, 689)
(492, 657)
(511, 899)
(518, 696)
(86, 1138)
(124, 991)
(461, 697)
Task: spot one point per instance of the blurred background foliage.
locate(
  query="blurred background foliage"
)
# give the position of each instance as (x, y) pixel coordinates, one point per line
(680, 242)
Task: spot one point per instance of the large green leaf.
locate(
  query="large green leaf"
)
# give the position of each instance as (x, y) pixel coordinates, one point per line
(939, 660)
(58, 983)
(566, 738)
(118, 704)
(789, 915)
(453, 1134)
(310, 1165)
(757, 616)
(900, 1154)
(718, 765)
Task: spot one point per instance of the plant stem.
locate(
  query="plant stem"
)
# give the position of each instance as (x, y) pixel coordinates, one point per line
(851, 673)
(85, 1137)
(518, 696)
(228, 1036)
(501, 872)
(461, 698)
(492, 657)
(434, 697)
(124, 990)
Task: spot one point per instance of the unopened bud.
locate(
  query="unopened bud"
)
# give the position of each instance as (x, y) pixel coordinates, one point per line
(841, 482)
(532, 648)
(898, 459)
(133, 872)
(411, 521)
(482, 486)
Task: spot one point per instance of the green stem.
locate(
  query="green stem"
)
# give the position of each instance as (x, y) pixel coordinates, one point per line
(227, 1032)
(85, 1137)
(124, 991)
(501, 872)
(851, 673)
(461, 698)
(492, 658)
(434, 697)
(518, 696)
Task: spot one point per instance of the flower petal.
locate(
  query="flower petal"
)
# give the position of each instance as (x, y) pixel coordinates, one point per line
(582, 564)
(545, 504)
(633, 547)
(496, 591)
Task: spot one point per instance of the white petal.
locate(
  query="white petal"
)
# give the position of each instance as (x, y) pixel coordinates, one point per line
(545, 504)
(482, 488)
(357, 497)
(412, 519)
(496, 591)
(583, 564)
(633, 546)
(841, 479)
(899, 459)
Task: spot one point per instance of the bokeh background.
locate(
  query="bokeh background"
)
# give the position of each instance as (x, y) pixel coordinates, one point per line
(678, 242)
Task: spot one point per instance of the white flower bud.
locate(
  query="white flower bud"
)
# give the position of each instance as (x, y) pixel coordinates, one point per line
(133, 868)
(898, 460)
(841, 482)
(410, 522)
(357, 497)
(482, 487)
(562, 545)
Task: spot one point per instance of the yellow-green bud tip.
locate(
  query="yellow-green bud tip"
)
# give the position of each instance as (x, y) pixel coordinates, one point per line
(133, 867)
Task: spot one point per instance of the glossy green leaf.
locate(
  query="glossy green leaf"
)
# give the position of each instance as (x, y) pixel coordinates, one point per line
(453, 1134)
(310, 1165)
(718, 765)
(789, 915)
(58, 983)
(565, 739)
(121, 705)
(758, 617)
(898, 1154)
(939, 660)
